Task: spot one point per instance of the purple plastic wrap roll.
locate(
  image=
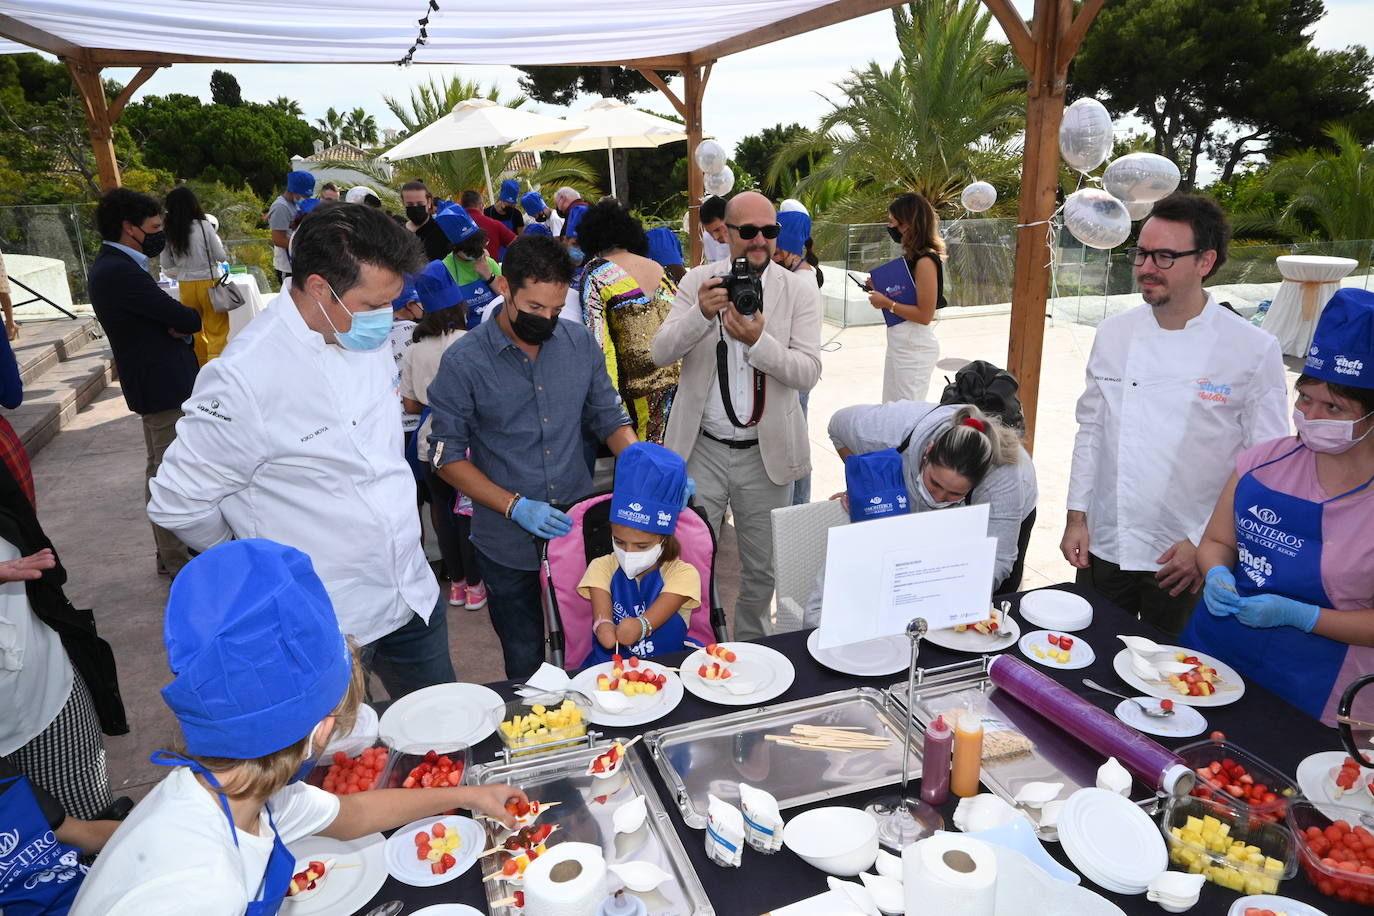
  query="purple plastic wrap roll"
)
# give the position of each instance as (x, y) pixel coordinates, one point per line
(1154, 765)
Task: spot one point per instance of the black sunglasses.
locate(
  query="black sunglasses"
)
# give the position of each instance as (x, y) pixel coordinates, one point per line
(747, 232)
(1163, 257)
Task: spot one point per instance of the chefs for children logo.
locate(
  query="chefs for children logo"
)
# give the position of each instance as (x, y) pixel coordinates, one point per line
(1258, 568)
(1209, 390)
(1349, 366)
(634, 514)
(664, 519)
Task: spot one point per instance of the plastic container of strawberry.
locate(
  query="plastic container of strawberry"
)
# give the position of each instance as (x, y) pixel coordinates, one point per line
(1336, 853)
(334, 773)
(418, 767)
(1231, 775)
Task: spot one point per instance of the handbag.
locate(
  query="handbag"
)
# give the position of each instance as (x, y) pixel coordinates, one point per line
(224, 296)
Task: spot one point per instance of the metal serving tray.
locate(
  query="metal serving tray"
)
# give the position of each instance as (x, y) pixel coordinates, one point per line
(713, 756)
(585, 817)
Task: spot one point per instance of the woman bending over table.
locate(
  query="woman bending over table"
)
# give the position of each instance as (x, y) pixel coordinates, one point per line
(1289, 551)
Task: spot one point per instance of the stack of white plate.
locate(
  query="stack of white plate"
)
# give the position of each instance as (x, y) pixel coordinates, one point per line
(1053, 609)
(1111, 841)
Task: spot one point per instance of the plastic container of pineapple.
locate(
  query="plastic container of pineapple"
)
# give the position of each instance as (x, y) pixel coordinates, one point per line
(544, 722)
(1246, 854)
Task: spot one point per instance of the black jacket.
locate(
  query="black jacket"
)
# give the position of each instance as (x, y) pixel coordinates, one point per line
(156, 370)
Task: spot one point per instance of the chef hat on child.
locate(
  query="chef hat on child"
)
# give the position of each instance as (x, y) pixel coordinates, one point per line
(574, 220)
(255, 650)
(664, 246)
(538, 229)
(510, 191)
(436, 288)
(457, 224)
(300, 182)
(1342, 348)
(408, 295)
(533, 203)
(876, 486)
(796, 229)
(649, 483)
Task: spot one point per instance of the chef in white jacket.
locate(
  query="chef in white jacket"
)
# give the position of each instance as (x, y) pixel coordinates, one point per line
(1176, 388)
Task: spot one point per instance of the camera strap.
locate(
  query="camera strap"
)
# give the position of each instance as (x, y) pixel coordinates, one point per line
(722, 379)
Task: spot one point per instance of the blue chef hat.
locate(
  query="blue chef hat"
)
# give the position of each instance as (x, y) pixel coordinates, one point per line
(796, 229)
(510, 191)
(436, 288)
(574, 220)
(1342, 348)
(408, 294)
(664, 246)
(310, 203)
(876, 486)
(649, 482)
(533, 203)
(254, 648)
(299, 182)
(457, 223)
(538, 229)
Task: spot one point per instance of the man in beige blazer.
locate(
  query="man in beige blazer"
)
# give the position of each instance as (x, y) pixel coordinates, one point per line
(744, 441)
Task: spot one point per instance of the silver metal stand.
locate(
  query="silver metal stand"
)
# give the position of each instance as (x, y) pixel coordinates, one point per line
(903, 819)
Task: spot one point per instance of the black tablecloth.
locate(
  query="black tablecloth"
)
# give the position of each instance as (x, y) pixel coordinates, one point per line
(1265, 725)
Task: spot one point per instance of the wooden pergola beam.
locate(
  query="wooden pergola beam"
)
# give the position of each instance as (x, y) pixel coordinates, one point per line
(116, 107)
(99, 126)
(819, 18)
(1018, 35)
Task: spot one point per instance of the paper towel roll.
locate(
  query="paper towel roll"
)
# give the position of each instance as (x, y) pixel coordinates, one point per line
(949, 873)
(568, 880)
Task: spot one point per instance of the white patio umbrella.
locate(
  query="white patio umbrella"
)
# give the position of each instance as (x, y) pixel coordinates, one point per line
(608, 124)
(478, 124)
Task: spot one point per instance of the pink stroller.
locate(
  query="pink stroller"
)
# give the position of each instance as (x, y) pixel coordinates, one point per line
(568, 615)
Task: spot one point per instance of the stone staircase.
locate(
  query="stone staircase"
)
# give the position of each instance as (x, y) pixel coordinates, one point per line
(65, 364)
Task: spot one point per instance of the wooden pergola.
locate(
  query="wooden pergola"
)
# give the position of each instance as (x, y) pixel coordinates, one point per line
(1045, 46)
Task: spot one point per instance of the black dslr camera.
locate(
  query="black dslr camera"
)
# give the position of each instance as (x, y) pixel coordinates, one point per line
(744, 289)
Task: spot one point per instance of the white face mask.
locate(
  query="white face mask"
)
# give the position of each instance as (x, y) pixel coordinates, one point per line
(924, 494)
(1330, 437)
(636, 562)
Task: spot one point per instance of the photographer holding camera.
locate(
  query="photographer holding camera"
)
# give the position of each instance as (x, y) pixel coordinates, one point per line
(748, 333)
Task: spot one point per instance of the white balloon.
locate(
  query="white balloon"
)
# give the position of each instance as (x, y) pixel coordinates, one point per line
(1085, 135)
(710, 156)
(1140, 178)
(719, 183)
(978, 196)
(791, 204)
(1096, 218)
(1140, 210)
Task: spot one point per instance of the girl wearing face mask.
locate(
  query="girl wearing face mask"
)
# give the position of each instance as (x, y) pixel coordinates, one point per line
(472, 268)
(1289, 550)
(642, 593)
(912, 349)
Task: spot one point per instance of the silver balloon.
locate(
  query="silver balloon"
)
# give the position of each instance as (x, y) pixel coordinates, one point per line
(710, 156)
(1138, 211)
(1085, 135)
(1096, 218)
(1140, 178)
(978, 196)
(720, 182)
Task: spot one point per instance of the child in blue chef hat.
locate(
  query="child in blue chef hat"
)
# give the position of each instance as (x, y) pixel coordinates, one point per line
(262, 679)
(643, 593)
(666, 248)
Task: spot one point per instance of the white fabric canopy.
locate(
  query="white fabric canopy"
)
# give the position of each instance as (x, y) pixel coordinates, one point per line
(381, 31)
(478, 123)
(607, 124)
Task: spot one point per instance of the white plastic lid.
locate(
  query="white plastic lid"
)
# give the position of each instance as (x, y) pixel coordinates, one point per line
(1108, 835)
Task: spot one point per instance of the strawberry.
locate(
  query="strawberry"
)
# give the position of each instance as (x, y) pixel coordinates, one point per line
(437, 868)
(431, 756)
(440, 831)
(522, 808)
(701, 672)
(422, 852)
(634, 661)
(617, 661)
(1066, 642)
(422, 839)
(1053, 640)
(448, 861)
(519, 899)
(509, 868)
(1166, 704)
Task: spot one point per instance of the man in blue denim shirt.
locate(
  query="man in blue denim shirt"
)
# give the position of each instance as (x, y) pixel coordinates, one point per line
(509, 405)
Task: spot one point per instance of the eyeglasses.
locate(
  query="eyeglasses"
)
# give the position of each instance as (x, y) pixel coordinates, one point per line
(747, 231)
(1163, 257)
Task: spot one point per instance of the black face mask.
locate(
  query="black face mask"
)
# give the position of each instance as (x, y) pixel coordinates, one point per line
(153, 243)
(532, 328)
(895, 233)
(417, 214)
(542, 217)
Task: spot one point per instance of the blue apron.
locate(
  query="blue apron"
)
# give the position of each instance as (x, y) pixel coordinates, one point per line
(281, 864)
(476, 295)
(1279, 548)
(39, 874)
(631, 598)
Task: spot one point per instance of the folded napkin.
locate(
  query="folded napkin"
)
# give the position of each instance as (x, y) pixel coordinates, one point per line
(548, 679)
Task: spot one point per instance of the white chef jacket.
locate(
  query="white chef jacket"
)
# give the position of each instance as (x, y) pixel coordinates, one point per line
(1161, 420)
(293, 439)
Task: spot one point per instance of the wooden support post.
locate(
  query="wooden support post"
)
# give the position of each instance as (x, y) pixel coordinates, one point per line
(99, 125)
(695, 78)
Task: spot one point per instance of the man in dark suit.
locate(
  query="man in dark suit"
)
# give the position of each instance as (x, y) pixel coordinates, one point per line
(149, 332)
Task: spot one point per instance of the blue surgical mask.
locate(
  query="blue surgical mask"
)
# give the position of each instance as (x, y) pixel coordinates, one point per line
(308, 764)
(576, 254)
(366, 330)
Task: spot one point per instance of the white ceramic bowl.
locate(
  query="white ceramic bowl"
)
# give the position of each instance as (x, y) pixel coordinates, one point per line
(839, 841)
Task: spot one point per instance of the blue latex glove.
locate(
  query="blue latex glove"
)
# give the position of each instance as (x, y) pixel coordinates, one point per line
(1220, 592)
(540, 519)
(1277, 611)
(689, 490)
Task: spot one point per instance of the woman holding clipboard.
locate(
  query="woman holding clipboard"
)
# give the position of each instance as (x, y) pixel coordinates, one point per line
(908, 290)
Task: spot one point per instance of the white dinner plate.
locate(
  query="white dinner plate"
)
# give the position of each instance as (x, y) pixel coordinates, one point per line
(1273, 902)
(1232, 686)
(643, 709)
(972, 641)
(1111, 840)
(1184, 723)
(768, 669)
(1056, 609)
(406, 868)
(362, 737)
(1080, 653)
(870, 658)
(343, 890)
(448, 909)
(443, 717)
(1313, 777)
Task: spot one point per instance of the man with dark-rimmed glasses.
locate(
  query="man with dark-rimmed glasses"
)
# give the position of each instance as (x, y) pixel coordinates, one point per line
(1176, 388)
(737, 418)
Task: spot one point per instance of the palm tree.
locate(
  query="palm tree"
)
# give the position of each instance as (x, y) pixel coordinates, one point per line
(360, 128)
(330, 127)
(289, 106)
(946, 113)
(1331, 191)
(449, 174)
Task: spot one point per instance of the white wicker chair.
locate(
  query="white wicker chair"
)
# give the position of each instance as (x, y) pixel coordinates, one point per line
(799, 541)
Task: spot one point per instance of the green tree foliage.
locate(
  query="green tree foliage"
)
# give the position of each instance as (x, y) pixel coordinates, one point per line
(1329, 193)
(1229, 78)
(224, 89)
(562, 85)
(946, 113)
(330, 128)
(288, 105)
(360, 128)
(756, 152)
